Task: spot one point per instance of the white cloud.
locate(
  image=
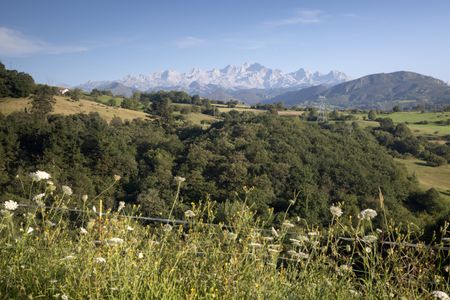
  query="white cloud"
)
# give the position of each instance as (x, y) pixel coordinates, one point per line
(301, 17)
(14, 43)
(188, 41)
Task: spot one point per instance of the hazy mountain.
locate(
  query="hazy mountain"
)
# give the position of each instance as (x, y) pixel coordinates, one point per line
(248, 82)
(378, 90)
(292, 98)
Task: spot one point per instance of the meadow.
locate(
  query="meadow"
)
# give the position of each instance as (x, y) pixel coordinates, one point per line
(429, 177)
(59, 245)
(65, 106)
(430, 130)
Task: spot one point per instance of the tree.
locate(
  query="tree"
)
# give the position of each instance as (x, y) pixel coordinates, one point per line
(130, 103)
(43, 101)
(15, 84)
(75, 94)
(387, 124)
(402, 130)
(372, 115)
(396, 108)
(162, 107)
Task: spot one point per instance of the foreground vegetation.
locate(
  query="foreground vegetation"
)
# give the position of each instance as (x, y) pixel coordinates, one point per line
(49, 252)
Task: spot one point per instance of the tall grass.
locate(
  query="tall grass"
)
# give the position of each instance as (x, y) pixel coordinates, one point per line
(49, 252)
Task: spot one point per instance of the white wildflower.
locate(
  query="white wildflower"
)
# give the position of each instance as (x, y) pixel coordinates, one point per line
(129, 228)
(30, 230)
(189, 214)
(67, 190)
(440, 295)
(121, 206)
(354, 293)
(39, 197)
(179, 179)
(140, 255)
(167, 227)
(379, 230)
(117, 177)
(84, 197)
(64, 297)
(292, 202)
(39, 175)
(115, 241)
(50, 223)
(313, 233)
(10, 205)
(336, 211)
(94, 209)
(83, 231)
(49, 182)
(348, 248)
(368, 249)
(370, 238)
(288, 224)
(274, 232)
(100, 260)
(367, 214)
(40, 203)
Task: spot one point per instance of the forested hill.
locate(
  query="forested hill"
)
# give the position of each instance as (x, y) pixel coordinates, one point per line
(376, 91)
(277, 157)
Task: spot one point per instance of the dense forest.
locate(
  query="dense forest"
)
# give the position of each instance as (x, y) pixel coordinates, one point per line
(267, 159)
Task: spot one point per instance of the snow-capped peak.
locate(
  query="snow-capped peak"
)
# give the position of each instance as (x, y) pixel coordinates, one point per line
(231, 77)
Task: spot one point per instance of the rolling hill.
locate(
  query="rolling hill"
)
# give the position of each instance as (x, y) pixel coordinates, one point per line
(66, 107)
(382, 90)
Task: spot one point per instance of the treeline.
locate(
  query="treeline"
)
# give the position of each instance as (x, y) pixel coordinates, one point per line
(15, 84)
(271, 162)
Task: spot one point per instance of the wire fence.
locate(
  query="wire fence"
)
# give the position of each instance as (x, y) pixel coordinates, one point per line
(189, 223)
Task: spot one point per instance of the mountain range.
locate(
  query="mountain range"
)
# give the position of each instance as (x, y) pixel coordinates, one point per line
(250, 83)
(382, 90)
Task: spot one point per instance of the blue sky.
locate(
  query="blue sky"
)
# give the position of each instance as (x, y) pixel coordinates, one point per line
(75, 41)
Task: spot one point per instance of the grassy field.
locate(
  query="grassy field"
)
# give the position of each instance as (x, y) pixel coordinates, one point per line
(66, 107)
(429, 177)
(431, 130)
(197, 118)
(106, 99)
